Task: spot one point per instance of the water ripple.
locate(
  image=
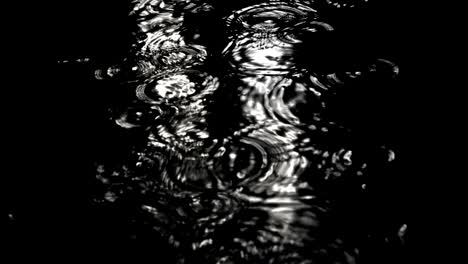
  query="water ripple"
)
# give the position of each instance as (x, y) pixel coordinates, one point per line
(269, 17)
(155, 14)
(167, 48)
(259, 53)
(177, 87)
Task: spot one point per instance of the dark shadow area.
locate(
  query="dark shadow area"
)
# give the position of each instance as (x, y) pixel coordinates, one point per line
(56, 124)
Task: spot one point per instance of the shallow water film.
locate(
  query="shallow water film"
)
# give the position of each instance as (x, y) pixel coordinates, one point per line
(242, 132)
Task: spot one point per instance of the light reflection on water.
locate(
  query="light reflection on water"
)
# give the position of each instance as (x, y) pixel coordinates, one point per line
(267, 186)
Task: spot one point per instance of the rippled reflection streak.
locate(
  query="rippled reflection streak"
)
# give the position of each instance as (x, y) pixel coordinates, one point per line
(263, 193)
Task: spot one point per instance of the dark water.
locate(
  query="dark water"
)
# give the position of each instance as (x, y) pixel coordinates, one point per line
(244, 132)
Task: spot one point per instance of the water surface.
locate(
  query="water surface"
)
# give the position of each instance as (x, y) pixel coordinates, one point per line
(235, 134)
